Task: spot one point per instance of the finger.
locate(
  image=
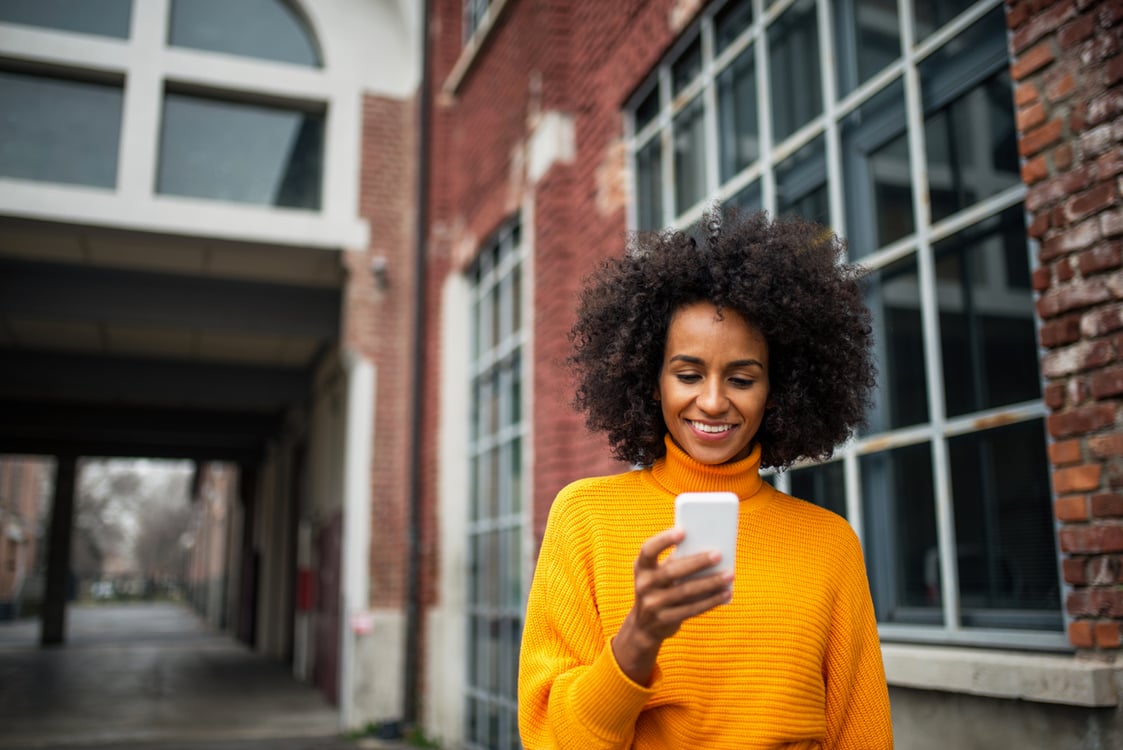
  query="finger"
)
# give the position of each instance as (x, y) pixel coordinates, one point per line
(683, 612)
(654, 546)
(681, 567)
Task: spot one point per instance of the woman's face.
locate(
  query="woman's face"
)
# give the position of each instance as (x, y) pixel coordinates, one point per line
(714, 383)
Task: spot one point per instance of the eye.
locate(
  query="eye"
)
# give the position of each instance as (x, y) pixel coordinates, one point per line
(688, 377)
(742, 382)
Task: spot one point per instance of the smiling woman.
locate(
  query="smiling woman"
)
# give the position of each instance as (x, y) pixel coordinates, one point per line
(704, 359)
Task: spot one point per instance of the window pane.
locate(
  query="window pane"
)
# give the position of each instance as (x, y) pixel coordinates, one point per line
(648, 109)
(929, 15)
(894, 299)
(972, 148)
(1004, 524)
(801, 184)
(748, 198)
(515, 447)
(265, 29)
(987, 329)
(867, 39)
(730, 21)
(900, 512)
(687, 67)
(824, 485)
(878, 190)
(690, 156)
(737, 115)
(240, 152)
(649, 185)
(56, 130)
(793, 47)
(101, 17)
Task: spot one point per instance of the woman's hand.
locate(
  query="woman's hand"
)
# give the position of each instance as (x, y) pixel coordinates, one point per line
(664, 601)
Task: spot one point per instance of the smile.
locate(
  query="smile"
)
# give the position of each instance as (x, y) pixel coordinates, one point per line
(712, 429)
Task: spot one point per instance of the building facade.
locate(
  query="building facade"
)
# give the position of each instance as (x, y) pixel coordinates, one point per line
(970, 154)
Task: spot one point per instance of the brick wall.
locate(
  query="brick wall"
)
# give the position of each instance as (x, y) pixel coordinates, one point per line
(1068, 71)
(378, 321)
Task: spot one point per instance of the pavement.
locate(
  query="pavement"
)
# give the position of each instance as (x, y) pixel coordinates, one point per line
(155, 677)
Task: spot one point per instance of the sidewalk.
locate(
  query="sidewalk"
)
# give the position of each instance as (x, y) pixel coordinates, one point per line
(153, 677)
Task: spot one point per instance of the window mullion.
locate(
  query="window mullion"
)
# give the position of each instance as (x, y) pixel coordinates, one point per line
(834, 155)
(764, 110)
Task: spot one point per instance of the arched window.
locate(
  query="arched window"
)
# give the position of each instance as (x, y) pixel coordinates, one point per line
(265, 29)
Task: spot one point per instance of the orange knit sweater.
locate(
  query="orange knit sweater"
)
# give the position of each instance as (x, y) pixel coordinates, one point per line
(792, 662)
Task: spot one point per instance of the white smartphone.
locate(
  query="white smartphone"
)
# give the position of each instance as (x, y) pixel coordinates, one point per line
(710, 522)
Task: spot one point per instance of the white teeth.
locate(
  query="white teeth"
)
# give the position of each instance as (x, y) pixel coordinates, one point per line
(711, 428)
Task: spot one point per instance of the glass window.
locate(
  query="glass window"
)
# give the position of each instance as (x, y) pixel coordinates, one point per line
(878, 181)
(1004, 527)
(793, 51)
(730, 22)
(824, 485)
(867, 39)
(952, 312)
(737, 115)
(690, 155)
(59, 130)
(474, 13)
(801, 183)
(894, 300)
(902, 550)
(987, 332)
(265, 29)
(233, 151)
(100, 17)
(930, 15)
(496, 525)
(649, 185)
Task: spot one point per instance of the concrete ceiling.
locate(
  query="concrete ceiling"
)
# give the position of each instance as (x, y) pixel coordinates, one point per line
(141, 330)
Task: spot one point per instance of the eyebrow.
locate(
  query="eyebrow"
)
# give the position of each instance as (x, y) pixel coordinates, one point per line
(698, 361)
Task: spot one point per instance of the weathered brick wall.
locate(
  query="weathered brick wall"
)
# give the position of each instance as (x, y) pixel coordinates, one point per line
(1068, 71)
(378, 321)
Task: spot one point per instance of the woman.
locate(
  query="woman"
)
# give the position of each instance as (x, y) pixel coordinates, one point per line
(704, 360)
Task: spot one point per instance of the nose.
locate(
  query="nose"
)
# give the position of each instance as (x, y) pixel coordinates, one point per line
(712, 398)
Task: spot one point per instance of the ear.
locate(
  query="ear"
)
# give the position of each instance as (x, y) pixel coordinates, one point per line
(656, 395)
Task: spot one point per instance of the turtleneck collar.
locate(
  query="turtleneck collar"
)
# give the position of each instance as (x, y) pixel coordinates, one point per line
(677, 472)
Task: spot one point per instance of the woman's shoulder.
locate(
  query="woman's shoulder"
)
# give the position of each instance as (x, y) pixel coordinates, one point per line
(813, 520)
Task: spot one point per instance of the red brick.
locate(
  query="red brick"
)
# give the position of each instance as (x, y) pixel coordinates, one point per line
(1059, 86)
(1089, 202)
(1071, 238)
(1107, 504)
(1109, 163)
(1113, 70)
(1030, 117)
(1060, 332)
(1040, 138)
(1082, 634)
(1073, 33)
(1081, 420)
(1034, 170)
(1103, 257)
(1039, 225)
(1111, 223)
(1092, 540)
(1054, 396)
(1071, 508)
(1073, 297)
(1062, 157)
(1107, 383)
(1106, 602)
(1065, 452)
(1026, 93)
(1102, 320)
(1077, 479)
(1073, 570)
(1105, 107)
(1106, 446)
(1107, 634)
(1032, 61)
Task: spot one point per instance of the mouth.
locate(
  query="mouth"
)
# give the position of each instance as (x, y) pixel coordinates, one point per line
(711, 430)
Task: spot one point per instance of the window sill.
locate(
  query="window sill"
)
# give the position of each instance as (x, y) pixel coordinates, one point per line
(1047, 678)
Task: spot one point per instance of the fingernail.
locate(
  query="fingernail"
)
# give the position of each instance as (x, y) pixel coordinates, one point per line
(715, 557)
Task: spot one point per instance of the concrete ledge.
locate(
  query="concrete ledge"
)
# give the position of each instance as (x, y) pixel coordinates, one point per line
(1047, 678)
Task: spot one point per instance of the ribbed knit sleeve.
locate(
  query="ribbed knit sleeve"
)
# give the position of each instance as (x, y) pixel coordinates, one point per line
(572, 693)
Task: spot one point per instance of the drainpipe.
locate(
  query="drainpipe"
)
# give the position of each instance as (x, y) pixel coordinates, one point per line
(413, 565)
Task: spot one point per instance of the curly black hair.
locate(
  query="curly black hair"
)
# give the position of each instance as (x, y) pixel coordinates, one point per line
(784, 276)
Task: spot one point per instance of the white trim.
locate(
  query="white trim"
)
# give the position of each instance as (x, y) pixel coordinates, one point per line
(1045, 678)
(354, 588)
